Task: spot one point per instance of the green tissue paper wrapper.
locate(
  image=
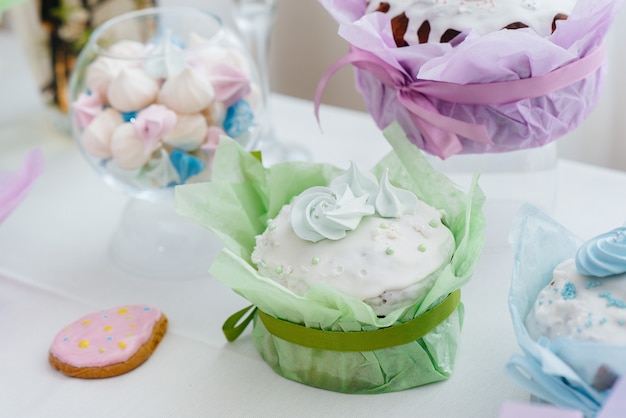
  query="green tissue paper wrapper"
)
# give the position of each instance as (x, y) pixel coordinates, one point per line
(238, 202)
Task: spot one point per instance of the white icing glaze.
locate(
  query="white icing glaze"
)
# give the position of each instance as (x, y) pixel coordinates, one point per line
(187, 92)
(401, 257)
(482, 16)
(96, 138)
(189, 132)
(131, 90)
(581, 307)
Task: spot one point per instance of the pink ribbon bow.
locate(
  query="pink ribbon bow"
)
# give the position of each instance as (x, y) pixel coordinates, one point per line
(441, 133)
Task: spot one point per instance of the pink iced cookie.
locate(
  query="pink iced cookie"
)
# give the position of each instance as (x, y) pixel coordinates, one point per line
(109, 342)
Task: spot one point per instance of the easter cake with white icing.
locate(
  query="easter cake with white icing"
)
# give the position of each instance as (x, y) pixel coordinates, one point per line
(587, 297)
(360, 236)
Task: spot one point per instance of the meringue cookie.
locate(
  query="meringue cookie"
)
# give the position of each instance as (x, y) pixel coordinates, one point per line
(132, 89)
(239, 119)
(96, 138)
(126, 49)
(152, 123)
(187, 92)
(214, 113)
(212, 138)
(100, 73)
(189, 132)
(255, 96)
(208, 55)
(158, 172)
(230, 83)
(86, 108)
(127, 148)
(186, 164)
(164, 59)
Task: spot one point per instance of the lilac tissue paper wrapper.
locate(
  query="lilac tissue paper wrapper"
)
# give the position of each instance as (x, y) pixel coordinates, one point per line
(15, 185)
(520, 54)
(561, 371)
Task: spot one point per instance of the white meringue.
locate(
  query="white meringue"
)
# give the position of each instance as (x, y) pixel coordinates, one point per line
(100, 73)
(158, 172)
(132, 89)
(209, 55)
(127, 148)
(214, 113)
(126, 49)
(96, 138)
(187, 92)
(189, 132)
(164, 59)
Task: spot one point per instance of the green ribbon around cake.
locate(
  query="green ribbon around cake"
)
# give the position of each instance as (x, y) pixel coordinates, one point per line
(345, 341)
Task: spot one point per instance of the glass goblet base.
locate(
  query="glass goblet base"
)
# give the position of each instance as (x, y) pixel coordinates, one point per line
(153, 241)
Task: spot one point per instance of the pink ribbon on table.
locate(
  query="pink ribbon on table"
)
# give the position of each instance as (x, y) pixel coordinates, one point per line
(441, 133)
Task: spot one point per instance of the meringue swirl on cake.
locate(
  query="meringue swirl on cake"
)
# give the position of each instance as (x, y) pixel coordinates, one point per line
(604, 255)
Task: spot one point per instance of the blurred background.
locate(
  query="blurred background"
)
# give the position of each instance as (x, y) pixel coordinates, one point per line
(304, 43)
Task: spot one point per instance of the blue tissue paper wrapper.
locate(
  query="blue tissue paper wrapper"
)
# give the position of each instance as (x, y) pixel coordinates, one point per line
(560, 371)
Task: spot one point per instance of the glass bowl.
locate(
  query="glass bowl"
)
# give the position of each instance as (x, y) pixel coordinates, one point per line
(151, 94)
(153, 90)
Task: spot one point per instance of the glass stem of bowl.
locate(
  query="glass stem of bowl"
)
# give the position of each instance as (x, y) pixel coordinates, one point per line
(255, 18)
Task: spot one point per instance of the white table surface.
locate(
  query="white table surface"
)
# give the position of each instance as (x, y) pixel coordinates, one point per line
(54, 267)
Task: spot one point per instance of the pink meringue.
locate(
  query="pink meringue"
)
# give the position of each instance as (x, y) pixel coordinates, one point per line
(96, 138)
(230, 83)
(127, 148)
(212, 138)
(187, 92)
(132, 89)
(189, 133)
(152, 123)
(86, 107)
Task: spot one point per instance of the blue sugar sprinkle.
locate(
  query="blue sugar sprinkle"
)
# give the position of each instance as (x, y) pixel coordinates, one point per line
(620, 322)
(588, 324)
(602, 321)
(592, 283)
(611, 301)
(569, 291)
(579, 330)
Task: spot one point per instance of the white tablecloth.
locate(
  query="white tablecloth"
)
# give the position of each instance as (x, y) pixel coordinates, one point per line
(55, 267)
